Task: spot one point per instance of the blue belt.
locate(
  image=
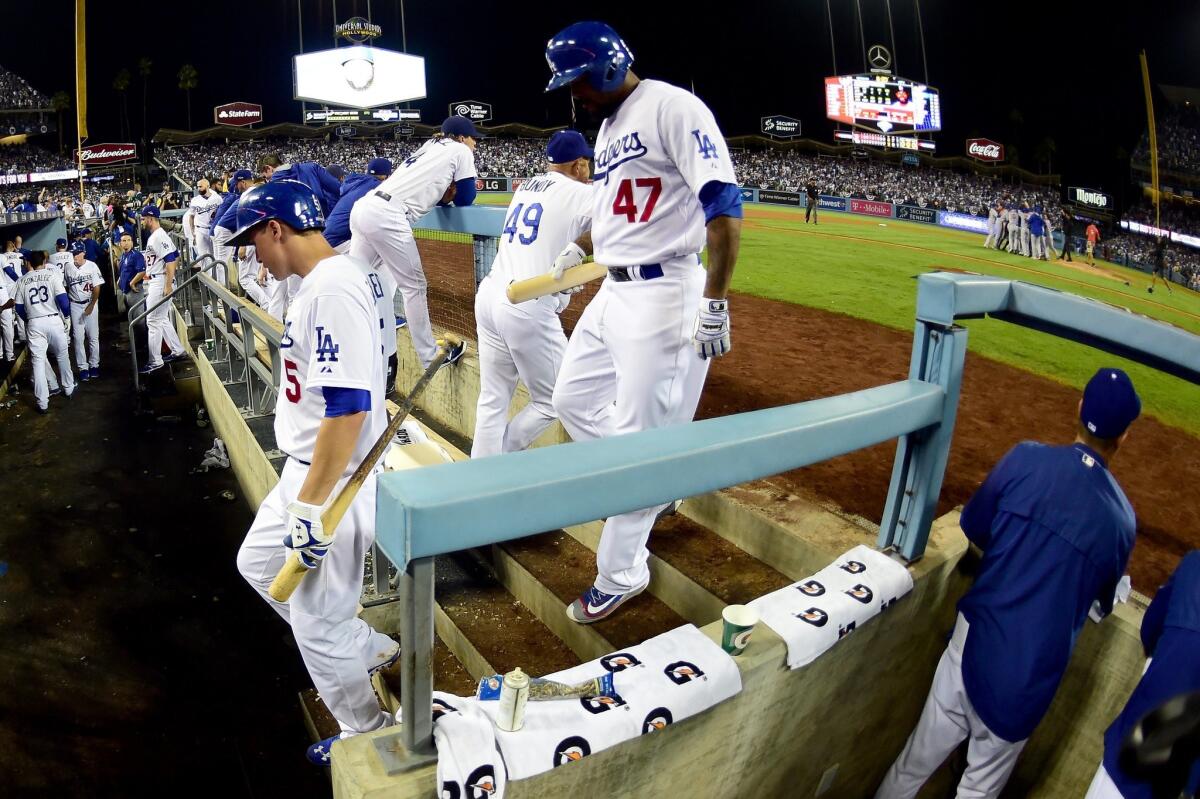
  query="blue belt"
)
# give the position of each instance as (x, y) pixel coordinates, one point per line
(624, 274)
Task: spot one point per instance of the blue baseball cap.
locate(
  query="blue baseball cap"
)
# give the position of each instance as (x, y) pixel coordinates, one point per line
(60, 243)
(337, 170)
(459, 126)
(567, 145)
(241, 174)
(379, 166)
(77, 247)
(1110, 404)
(25, 253)
(151, 210)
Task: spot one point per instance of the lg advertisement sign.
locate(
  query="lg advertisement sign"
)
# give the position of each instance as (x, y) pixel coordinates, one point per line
(238, 114)
(97, 154)
(985, 150)
(780, 127)
(472, 110)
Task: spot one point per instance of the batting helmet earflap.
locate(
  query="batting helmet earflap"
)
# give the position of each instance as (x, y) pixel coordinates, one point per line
(588, 48)
(288, 201)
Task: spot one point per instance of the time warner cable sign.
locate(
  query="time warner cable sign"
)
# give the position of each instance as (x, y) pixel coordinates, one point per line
(472, 110)
(360, 76)
(780, 127)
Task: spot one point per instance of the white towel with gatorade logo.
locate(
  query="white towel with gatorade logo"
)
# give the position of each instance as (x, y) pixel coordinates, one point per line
(813, 614)
(469, 765)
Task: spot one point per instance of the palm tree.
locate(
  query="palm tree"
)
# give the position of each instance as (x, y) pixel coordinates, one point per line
(60, 102)
(189, 79)
(144, 66)
(121, 84)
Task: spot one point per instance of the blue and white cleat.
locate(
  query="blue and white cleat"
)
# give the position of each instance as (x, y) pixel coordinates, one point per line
(401, 322)
(385, 659)
(321, 753)
(595, 605)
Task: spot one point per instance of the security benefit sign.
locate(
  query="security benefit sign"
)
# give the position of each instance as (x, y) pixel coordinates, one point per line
(472, 110)
(1090, 198)
(780, 127)
(238, 114)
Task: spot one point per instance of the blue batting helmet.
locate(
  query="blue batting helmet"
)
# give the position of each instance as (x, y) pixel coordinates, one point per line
(288, 201)
(588, 48)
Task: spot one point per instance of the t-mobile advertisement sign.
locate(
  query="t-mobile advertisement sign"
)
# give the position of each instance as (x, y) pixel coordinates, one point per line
(870, 208)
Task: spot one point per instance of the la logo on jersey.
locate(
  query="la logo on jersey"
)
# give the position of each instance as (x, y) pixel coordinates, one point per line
(617, 152)
(326, 350)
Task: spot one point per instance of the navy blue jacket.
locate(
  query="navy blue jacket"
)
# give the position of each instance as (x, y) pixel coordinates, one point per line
(337, 223)
(313, 175)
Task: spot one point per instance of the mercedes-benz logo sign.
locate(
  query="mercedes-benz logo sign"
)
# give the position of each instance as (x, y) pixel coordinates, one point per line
(879, 57)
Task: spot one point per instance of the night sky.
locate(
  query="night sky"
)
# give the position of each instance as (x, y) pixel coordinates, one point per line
(1017, 72)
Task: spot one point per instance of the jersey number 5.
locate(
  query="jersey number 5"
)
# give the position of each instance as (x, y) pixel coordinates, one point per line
(292, 392)
(623, 204)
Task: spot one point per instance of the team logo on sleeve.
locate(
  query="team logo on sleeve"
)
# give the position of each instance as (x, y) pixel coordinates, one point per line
(656, 720)
(853, 567)
(441, 708)
(862, 593)
(571, 749)
(601, 704)
(811, 588)
(814, 616)
(482, 782)
(683, 672)
(619, 661)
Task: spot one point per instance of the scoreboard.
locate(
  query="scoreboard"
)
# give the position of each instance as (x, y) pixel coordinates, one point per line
(883, 103)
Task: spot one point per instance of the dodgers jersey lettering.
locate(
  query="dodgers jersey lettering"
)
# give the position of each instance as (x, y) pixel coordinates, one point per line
(546, 213)
(36, 290)
(420, 180)
(82, 279)
(158, 247)
(330, 338)
(203, 208)
(653, 155)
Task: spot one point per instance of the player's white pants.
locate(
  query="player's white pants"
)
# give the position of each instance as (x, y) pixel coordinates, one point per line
(630, 366)
(8, 349)
(1038, 244)
(248, 280)
(86, 330)
(159, 324)
(225, 255)
(948, 719)
(523, 341)
(380, 234)
(1103, 787)
(46, 336)
(206, 246)
(1025, 242)
(336, 645)
(993, 236)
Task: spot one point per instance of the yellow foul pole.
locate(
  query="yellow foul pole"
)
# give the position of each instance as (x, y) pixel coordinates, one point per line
(1153, 138)
(80, 87)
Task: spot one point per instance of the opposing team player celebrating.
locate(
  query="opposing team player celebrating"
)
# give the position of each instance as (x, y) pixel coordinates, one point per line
(664, 187)
(526, 340)
(83, 290)
(160, 255)
(329, 413)
(41, 300)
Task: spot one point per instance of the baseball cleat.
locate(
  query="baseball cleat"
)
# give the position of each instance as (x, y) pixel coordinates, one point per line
(43, 411)
(147, 369)
(84, 375)
(54, 392)
(175, 356)
(456, 353)
(401, 322)
(95, 373)
(321, 753)
(385, 659)
(594, 605)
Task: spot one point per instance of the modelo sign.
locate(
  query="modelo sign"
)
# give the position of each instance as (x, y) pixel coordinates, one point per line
(97, 154)
(985, 150)
(472, 110)
(780, 127)
(238, 114)
(1089, 198)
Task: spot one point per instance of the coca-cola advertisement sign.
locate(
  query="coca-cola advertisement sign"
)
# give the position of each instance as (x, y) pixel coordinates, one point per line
(870, 208)
(238, 114)
(96, 154)
(985, 150)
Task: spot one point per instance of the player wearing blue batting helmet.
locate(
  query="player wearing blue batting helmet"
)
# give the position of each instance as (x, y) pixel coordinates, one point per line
(588, 48)
(288, 202)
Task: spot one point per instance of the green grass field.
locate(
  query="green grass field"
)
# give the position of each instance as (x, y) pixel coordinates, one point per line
(864, 268)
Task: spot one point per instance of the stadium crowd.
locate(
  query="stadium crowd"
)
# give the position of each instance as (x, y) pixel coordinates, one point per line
(1178, 135)
(28, 157)
(15, 92)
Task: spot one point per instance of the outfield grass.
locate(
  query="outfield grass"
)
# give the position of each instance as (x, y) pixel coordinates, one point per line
(864, 268)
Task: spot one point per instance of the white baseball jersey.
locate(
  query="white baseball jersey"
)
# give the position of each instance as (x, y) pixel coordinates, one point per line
(545, 214)
(4, 295)
(190, 213)
(158, 247)
(82, 279)
(421, 180)
(330, 338)
(653, 155)
(58, 261)
(12, 259)
(36, 290)
(203, 208)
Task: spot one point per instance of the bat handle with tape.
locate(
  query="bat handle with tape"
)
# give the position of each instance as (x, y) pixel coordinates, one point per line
(291, 574)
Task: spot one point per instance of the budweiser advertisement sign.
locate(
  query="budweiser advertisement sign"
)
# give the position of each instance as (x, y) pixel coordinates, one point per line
(96, 154)
(238, 114)
(985, 150)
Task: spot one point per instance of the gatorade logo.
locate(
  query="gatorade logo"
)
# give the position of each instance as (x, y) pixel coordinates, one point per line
(811, 588)
(619, 662)
(853, 567)
(601, 704)
(656, 720)
(862, 593)
(814, 616)
(440, 709)
(482, 782)
(571, 749)
(683, 672)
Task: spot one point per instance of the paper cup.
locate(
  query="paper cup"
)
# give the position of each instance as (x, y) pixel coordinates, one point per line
(738, 624)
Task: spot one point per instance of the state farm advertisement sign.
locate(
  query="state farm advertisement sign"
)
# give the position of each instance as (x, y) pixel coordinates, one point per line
(985, 150)
(870, 208)
(238, 114)
(96, 154)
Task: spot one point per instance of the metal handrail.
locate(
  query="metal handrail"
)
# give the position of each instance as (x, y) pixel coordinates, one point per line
(150, 309)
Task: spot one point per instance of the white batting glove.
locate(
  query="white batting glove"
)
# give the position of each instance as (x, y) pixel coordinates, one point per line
(572, 255)
(305, 534)
(67, 325)
(563, 298)
(711, 334)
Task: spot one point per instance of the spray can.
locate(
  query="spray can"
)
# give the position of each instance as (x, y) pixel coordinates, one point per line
(514, 693)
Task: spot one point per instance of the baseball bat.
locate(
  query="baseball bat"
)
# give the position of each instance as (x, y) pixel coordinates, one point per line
(540, 286)
(290, 575)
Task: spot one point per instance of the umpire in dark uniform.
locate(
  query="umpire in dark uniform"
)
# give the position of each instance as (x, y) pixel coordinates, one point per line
(814, 199)
(1068, 223)
(1056, 532)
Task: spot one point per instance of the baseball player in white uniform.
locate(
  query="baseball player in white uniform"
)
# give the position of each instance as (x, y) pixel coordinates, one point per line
(329, 412)
(10, 323)
(60, 259)
(381, 222)
(663, 188)
(161, 256)
(188, 220)
(993, 236)
(526, 341)
(83, 290)
(1014, 230)
(204, 204)
(41, 301)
